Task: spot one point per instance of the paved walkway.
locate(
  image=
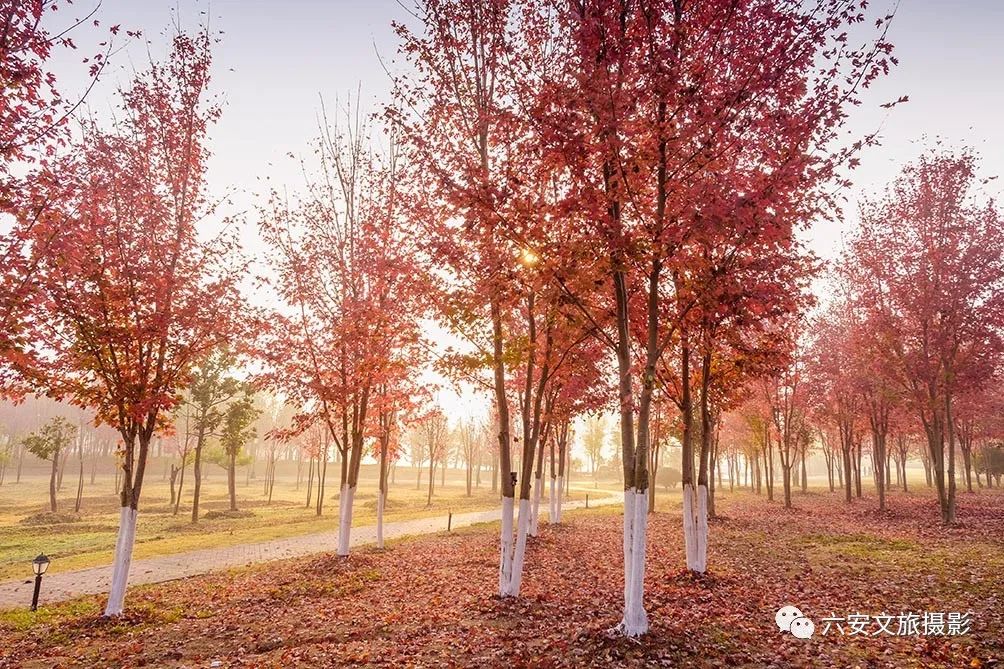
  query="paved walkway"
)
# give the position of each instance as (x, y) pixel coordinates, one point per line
(97, 580)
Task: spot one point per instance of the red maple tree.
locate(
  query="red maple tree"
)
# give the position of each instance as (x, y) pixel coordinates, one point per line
(928, 270)
(130, 297)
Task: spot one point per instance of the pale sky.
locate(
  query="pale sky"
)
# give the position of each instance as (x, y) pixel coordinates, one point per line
(278, 58)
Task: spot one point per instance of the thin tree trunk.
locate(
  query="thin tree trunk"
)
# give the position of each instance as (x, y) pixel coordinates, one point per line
(857, 469)
(310, 480)
(52, 480)
(181, 486)
(805, 476)
(322, 475)
(949, 518)
(197, 472)
(382, 484)
(65, 456)
(432, 480)
(80, 483)
(232, 481)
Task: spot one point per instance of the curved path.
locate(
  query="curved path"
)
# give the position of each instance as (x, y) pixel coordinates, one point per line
(96, 580)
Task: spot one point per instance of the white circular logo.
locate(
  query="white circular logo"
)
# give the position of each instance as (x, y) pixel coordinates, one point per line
(802, 628)
(785, 615)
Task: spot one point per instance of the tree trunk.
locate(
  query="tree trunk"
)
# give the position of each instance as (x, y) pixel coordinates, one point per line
(322, 476)
(635, 446)
(132, 484)
(879, 457)
(538, 481)
(350, 470)
(181, 486)
(200, 440)
(80, 489)
(846, 447)
(80, 478)
(502, 460)
(805, 475)
(691, 503)
(949, 515)
(653, 469)
(432, 480)
(310, 480)
(857, 469)
(786, 476)
(967, 459)
(495, 472)
(382, 488)
(172, 481)
(271, 478)
(123, 559)
(902, 459)
(925, 459)
(232, 480)
(65, 455)
(828, 457)
(709, 448)
(888, 470)
(934, 427)
(52, 481)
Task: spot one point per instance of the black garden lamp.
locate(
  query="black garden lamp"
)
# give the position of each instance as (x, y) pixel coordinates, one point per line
(38, 565)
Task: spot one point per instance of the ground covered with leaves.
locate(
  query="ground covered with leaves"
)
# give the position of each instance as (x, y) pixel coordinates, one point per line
(431, 601)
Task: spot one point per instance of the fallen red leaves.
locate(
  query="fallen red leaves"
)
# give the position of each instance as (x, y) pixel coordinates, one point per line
(431, 601)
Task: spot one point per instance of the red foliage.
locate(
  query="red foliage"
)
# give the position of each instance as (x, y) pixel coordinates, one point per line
(33, 118)
(346, 347)
(927, 272)
(129, 298)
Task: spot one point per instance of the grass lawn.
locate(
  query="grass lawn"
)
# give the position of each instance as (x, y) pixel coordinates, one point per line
(431, 601)
(91, 540)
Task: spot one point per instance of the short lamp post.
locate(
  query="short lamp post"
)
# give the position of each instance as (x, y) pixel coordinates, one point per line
(38, 565)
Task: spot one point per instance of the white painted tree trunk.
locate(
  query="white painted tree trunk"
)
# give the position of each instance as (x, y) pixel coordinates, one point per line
(552, 504)
(695, 527)
(635, 620)
(558, 500)
(123, 558)
(379, 530)
(702, 529)
(535, 515)
(629, 497)
(345, 518)
(505, 561)
(689, 526)
(519, 552)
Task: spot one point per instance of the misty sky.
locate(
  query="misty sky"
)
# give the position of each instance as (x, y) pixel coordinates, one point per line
(278, 58)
